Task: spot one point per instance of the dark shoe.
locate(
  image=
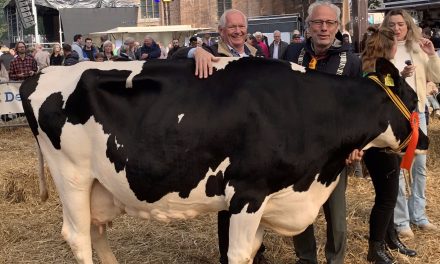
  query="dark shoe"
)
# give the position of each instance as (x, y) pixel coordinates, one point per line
(394, 243)
(378, 254)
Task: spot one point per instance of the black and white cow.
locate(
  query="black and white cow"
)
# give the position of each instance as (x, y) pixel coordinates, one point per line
(257, 138)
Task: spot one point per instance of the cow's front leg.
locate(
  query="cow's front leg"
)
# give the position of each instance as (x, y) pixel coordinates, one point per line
(245, 235)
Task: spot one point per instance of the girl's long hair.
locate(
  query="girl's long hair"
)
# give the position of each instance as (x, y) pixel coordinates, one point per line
(378, 45)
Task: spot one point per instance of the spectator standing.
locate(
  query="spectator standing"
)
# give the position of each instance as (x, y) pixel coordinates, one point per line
(251, 40)
(71, 57)
(425, 65)
(4, 74)
(6, 57)
(103, 39)
(175, 47)
(259, 36)
(77, 46)
(42, 57)
(99, 57)
(207, 40)
(108, 50)
(23, 66)
(57, 57)
(163, 51)
(346, 41)
(278, 47)
(324, 52)
(383, 167)
(193, 42)
(296, 38)
(431, 92)
(150, 50)
(436, 39)
(89, 50)
(128, 50)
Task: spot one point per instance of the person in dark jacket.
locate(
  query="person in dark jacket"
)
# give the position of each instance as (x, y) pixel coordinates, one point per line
(57, 57)
(175, 47)
(324, 51)
(71, 57)
(150, 50)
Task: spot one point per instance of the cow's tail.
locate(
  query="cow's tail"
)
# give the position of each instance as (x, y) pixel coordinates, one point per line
(43, 183)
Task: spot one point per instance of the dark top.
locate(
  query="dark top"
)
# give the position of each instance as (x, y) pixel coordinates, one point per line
(71, 59)
(6, 59)
(153, 51)
(56, 60)
(328, 63)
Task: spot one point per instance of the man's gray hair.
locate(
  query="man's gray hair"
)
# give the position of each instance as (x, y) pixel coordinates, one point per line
(222, 20)
(323, 3)
(107, 43)
(276, 31)
(128, 40)
(148, 37)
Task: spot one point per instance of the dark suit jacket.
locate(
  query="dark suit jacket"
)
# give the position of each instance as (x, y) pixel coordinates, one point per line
(281, 49)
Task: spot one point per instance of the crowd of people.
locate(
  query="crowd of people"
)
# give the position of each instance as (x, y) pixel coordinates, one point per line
(323, 48)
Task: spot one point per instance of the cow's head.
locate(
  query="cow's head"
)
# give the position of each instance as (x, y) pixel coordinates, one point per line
(405, 104)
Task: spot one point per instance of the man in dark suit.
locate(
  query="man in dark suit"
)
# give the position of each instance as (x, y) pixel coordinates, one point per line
(278, 47)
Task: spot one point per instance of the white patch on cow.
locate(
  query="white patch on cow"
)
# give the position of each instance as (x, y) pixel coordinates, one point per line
(385, 139)
(297, 67)
(289, 213)
(179, 118)
(65, 79)
(223, 61)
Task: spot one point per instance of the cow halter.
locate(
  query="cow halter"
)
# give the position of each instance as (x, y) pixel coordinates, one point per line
(411, 140)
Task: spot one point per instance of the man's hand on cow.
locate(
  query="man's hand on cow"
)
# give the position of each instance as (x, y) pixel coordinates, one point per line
(356, 155)
(144, 56)
(408, 71)
(31, 73)
(204, 61)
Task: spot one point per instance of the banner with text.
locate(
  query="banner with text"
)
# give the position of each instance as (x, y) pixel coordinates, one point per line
(10, 101)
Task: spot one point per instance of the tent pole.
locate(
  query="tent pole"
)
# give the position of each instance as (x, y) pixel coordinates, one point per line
(61, 31)
(34, 12)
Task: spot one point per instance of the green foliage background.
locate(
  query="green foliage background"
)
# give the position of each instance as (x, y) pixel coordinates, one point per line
(3, 23)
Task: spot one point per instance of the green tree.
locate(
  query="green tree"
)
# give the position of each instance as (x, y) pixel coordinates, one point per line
(3, 23)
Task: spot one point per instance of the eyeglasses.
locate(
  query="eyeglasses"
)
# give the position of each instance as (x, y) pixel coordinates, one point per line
(320, 23)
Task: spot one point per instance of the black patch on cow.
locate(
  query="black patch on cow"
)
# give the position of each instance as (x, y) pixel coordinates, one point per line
(215, 185)
(27, 88)
(278, 127)
(52, 118)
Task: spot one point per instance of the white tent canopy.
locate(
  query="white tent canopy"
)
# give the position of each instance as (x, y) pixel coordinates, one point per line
(162, 34)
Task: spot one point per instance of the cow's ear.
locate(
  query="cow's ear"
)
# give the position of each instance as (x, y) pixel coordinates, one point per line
(388, 73)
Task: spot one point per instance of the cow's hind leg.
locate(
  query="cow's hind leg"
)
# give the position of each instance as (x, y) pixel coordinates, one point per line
(245, 235)
(258, 241)
(100, 244)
